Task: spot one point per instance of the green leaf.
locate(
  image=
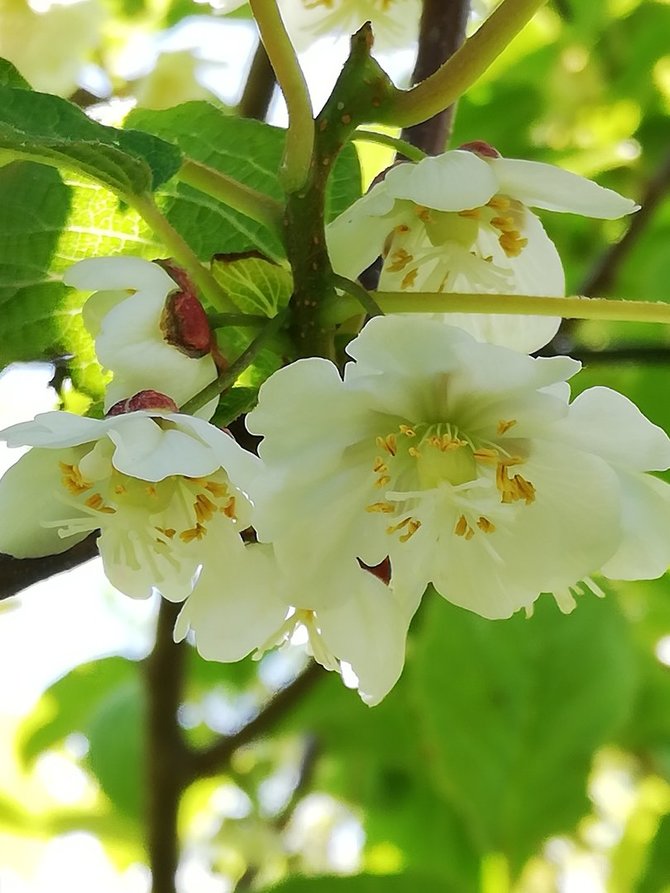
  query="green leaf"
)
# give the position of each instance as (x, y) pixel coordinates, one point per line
(375, 760)
(253, 283)
(68, 705)
(512, 711)
(656, 878)
(38, 126)
(364, 883)
(11, 77)
(251, 152)
(116, 747)
(47, 223)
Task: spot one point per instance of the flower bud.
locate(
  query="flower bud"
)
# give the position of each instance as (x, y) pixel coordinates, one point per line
(184, 323)
(144, 400)
(482, 148)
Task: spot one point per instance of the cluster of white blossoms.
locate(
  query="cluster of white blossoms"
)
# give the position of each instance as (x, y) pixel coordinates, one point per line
(443, 454)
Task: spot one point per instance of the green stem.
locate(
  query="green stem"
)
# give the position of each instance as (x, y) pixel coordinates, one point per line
(384, 139)
(462, 69)
(576, 307)
(363, 297)
(182, 252)
(282, 56)
(229, 376)
(242, 198)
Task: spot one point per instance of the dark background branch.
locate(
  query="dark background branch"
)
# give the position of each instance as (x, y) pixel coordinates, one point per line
(214, 758)
(442, 31)
(18, 573)
(599, 279)
(166, 752)
(259, 88)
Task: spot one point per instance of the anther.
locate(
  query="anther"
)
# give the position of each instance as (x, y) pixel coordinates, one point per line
(386, 508)
(504, 425)
(410, 278)
(485, 525)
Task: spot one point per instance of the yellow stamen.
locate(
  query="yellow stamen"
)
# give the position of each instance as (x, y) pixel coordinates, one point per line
(504, 425)
(485, 525)
(229, 508)
(412, 528)
(400, 260)
(150, 490)
(193, 533)
(461, 526)
(120, 490)
(380, 466)
(499, 203)
(505, 224)
(407, 431)
(204, 508)
(483, 454)
(473, 213)
(387, 443)
(386, 508)
(410, 278)
(73, 480)
(512, 243)
(169, 532)
(217, 490)
(383, 481)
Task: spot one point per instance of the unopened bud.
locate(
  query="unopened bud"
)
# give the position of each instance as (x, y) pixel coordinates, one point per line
(184, 323)
(481, 147)
(144, 400)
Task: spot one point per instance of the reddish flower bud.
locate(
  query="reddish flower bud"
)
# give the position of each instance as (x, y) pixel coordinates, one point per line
(481, 147)
(144, 400)
(184, 323)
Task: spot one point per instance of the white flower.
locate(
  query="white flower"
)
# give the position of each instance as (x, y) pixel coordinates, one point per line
(125, 320)
(49, 42)
(154, 483)
(460, 222)
(367, 630)
(461, 461)
(395, 23)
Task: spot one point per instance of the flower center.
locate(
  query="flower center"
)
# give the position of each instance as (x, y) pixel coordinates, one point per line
(418, 465)
(174, 507)
(451, 250)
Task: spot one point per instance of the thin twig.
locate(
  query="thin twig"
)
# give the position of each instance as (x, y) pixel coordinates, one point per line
(441, 33)
(603, 273)
(652, 355)
(167, 756)
(214, 758)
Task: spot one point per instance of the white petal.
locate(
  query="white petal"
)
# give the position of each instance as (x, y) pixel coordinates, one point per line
(454, 181)
(145, 451)
(644, 553)
(119, 272)
(554, 189)
(307, 389)
(605, 422)
(571, 528)
(356, 238)
(53, 430)
(233, 609)
(369, 632)
(28, 493)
